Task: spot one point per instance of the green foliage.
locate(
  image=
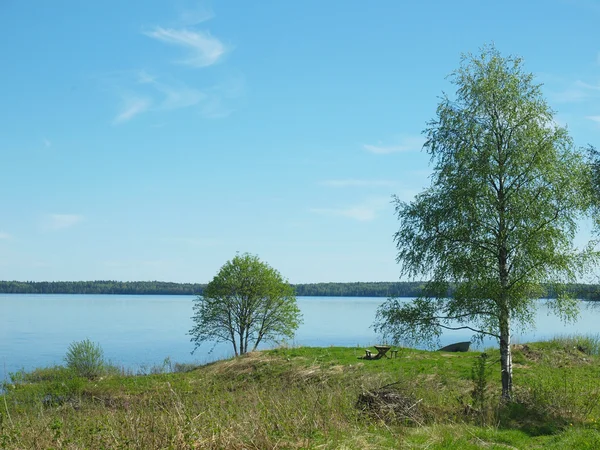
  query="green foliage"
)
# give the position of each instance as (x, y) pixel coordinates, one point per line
(246, 303)
(497, 224)
(86, 359)
(480, 384)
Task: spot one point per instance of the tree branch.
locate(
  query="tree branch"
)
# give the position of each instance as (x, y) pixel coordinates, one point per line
(469, 328)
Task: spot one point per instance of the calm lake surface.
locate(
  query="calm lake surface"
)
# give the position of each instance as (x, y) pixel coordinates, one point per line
(138, 332)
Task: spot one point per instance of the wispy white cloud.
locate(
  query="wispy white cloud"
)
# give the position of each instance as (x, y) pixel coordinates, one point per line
(576, 92)
(149, 92)
(132, 106)
(594, 118)
(570, 95)
(204, 49)
(588, 86)
(357, 183)
(170, 95)
(54, 222)
(214, 102)
(406, 144)
(5, 236)
(47, 143)
(176, 97)
(363, 212)
(146, 92)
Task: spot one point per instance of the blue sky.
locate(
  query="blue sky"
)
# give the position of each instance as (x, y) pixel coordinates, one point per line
(147, 140)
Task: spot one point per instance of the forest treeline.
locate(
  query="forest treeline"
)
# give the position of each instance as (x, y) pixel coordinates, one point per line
(398, 289)
(356, 289)
(100, 287)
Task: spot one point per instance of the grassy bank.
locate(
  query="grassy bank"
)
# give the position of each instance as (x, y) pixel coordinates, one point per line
(318, 398)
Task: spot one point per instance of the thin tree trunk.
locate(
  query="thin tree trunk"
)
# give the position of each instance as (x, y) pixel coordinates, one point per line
(503, 304)
(231, 331)
(505, 356)
(242, 348)
(258, 339)
(246, 337)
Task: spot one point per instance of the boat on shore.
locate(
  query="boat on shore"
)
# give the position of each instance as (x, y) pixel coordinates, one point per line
(457, 347)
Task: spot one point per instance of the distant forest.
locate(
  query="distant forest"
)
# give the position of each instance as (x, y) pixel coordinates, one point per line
(358, 289)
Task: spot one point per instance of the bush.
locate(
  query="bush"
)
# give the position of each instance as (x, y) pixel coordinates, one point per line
(85, 358)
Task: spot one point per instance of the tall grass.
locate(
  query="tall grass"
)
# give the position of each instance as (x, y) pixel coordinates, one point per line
(308, 398)
(203, 412)
(588, 344)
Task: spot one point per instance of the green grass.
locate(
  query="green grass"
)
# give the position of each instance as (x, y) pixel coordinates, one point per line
(316, 398)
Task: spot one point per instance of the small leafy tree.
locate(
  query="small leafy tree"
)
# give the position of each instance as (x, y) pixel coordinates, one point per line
(85, 358)
(246, 303)
(498, 221)
(480, 384)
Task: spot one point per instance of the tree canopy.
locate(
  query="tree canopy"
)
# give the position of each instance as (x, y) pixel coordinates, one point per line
(499, 218)
(246, 303)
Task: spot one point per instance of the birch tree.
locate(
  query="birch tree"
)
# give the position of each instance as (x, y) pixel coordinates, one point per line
(498, 221)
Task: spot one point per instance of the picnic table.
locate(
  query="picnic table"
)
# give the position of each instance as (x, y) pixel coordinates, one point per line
(381, 352)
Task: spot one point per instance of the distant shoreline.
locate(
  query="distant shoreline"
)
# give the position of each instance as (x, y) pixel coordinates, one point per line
(356, 289)
(352, 289)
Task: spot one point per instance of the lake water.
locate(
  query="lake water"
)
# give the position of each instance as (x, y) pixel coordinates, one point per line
(138, 332)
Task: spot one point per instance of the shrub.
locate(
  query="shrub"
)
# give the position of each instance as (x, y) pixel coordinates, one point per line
(479, 394)
(85, 358)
